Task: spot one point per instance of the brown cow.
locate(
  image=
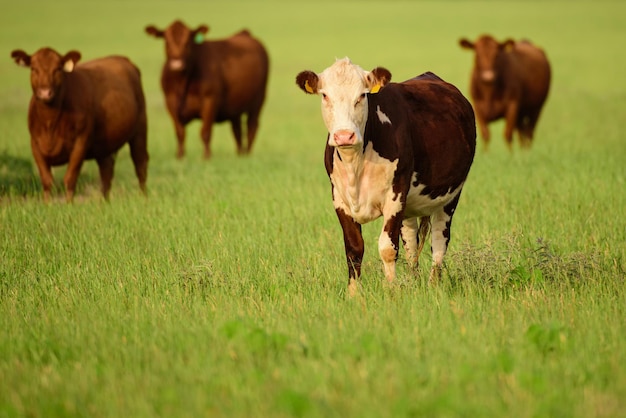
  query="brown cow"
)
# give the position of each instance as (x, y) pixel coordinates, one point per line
(84, 111)
(510, 80)
(402, 153)
(214, 81)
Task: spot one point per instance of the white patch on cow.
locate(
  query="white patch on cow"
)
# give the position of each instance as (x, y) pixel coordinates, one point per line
(382, 117)
(420, 205)
(363, 184)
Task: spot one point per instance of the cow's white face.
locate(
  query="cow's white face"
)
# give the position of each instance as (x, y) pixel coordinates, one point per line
(344, 88)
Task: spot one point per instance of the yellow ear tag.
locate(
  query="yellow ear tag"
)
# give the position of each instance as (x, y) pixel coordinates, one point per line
(375, 89)
(308, 87)
(68, 67)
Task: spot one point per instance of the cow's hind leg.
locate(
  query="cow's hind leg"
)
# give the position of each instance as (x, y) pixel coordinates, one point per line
(441, 222)
(413, 238)
(139, 154)
(106, 166)
(410, 240)
(526, 128)
(252, 128)
(235, 123)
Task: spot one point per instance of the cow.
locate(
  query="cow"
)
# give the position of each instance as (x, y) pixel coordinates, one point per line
(84, 111)
(509, 80)
(402, 151)
(214, 81)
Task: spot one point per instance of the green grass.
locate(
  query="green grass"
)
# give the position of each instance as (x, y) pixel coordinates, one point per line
(224, 292)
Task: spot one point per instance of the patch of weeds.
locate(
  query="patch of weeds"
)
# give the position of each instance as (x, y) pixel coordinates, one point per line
(294, 403)
(197, 278)
(547, 338)
(249, 340)
(513, 263)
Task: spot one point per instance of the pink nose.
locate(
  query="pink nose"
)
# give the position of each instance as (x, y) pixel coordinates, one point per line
(488, 76)
(344, 137)
(176, 64)
(44, 94)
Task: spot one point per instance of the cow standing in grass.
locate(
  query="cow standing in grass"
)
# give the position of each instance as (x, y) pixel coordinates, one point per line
(510, 80)
(397, 150)
(214, 81)
(84, 111)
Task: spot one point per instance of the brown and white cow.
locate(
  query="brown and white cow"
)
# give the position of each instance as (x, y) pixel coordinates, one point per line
(510, 80)
(397, 150)
(214, 81)
(84, 111)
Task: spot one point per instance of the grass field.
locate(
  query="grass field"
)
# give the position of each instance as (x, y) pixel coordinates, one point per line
(223, 292)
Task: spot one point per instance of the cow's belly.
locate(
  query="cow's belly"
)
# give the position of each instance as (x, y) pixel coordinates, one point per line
(419, 204)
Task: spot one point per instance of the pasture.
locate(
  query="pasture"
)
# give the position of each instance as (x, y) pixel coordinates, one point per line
(223, 293)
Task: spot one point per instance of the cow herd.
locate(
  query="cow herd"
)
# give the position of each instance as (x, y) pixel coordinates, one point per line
(82, 111)
(400, 151)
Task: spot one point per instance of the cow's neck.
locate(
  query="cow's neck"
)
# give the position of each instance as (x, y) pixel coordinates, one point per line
(51, 112)
(350, 163)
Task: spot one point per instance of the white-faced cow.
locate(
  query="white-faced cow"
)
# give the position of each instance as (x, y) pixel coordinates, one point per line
(397, 150)
(214, 81)
(84, 111)
(510, 80)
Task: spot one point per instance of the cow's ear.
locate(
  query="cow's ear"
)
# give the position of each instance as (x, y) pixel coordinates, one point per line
(153, 31)
(466, 44)
(307, 81)
(198, 34)
(508, 45)
(21, 58)
(378, 78)
(69, 61)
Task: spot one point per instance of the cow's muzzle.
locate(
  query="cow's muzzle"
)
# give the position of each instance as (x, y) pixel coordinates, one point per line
(488, 76)
(45, 94)
(344, 138)
(176, 65)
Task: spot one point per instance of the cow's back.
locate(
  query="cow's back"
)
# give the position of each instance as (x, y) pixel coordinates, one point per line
(117, 98)
(238, 68)
(442, 129)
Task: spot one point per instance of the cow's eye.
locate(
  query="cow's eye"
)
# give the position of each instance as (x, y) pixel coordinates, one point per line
(324, 96)
(360, 99)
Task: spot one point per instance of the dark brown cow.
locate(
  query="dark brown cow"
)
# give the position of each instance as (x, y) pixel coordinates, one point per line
(214, 81)
(85, 111)
(510, 80)
(402, 153)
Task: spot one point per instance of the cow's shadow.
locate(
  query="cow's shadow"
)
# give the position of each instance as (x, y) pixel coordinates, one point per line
(17, 176)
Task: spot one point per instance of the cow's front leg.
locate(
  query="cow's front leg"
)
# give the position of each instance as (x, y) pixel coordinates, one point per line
(511, 122)
(208, 116)
(388, 244)
(173, 106)
(484, 130)
(45, 171)
(73, 167)
(353, 241)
